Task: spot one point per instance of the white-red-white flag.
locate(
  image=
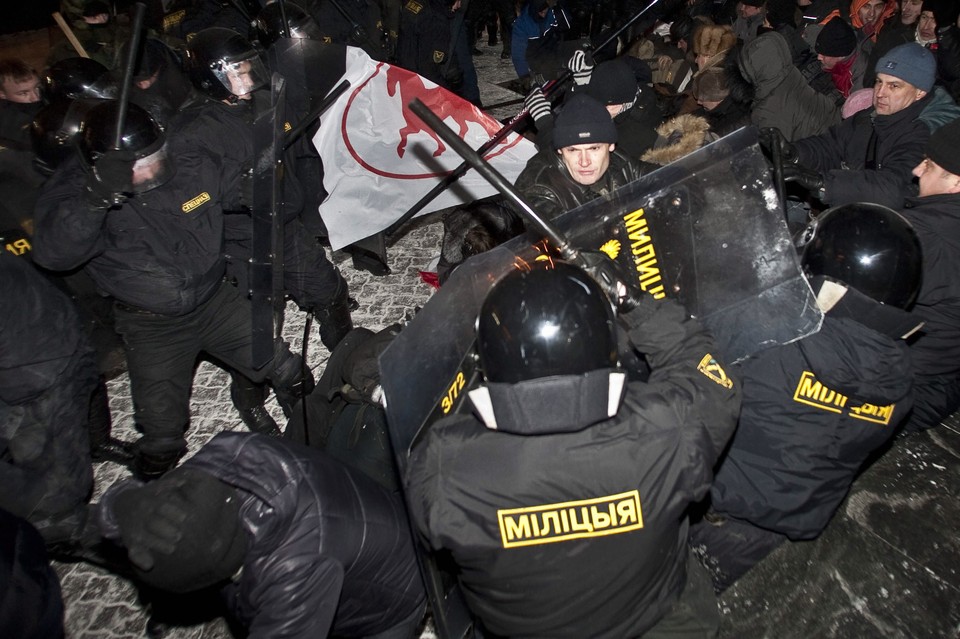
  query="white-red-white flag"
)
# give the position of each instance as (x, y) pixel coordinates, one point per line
(379, 158)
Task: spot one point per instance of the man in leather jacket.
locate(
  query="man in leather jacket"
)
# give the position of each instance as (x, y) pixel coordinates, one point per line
(299, 544)
(583, 163)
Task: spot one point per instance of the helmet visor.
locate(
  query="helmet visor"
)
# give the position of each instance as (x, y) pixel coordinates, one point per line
(242, 77)
(151, 171)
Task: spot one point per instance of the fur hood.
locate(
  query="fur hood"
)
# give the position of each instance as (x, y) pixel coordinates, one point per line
(678, 137)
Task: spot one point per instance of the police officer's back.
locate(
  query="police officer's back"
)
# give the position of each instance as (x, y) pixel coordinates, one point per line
(563, 505)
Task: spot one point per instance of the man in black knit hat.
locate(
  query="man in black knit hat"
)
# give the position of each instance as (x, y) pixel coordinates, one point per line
(838, 55)
(582, 164)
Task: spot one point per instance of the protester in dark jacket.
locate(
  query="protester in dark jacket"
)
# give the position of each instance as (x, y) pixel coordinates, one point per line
(541, 503)
(868, 157)
(302, 546)
(782, 98)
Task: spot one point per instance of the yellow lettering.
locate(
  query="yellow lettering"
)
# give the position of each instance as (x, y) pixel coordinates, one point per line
(19, 247)
(548, 517)
(518, 528)
(551, 523)
(584, 524)
(599, 519)
(629, 512)
(453, 392)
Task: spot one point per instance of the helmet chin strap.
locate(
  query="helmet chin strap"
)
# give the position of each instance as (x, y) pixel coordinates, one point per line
(561, 404)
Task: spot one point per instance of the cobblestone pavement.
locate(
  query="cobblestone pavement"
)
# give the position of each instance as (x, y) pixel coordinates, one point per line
(99, 605)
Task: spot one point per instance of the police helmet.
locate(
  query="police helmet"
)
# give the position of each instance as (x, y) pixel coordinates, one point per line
(54, 131)
(548, 319)
(77, 78)
(271, 27)
(142, 141)
(868, 247)
(224, 65)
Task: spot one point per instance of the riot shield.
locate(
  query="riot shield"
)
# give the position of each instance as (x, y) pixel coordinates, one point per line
(311, 69)
(266, 265)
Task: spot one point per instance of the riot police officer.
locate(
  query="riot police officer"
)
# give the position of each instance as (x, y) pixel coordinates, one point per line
(581, 530)
(150, 233)
(227, 72)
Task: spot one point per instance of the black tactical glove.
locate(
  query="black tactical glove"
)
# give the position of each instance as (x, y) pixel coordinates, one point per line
(807, 178)
(617, 282)
(536, 104)
(111, 179)
(581, 64)
(769, 137)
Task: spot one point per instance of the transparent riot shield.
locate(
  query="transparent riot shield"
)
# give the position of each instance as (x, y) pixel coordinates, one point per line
(311, 69)
(266, 265)
(709, 231)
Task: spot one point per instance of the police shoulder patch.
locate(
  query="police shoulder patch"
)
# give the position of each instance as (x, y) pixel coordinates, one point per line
(711, 368)
(193, 203)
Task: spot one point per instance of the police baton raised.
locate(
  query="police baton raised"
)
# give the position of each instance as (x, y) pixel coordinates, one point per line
(495, 178)
(549, 90)
(133, 50)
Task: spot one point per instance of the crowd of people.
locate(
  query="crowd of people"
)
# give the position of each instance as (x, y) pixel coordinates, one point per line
(612, 471)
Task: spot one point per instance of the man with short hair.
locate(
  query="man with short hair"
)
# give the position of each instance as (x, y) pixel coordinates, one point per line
(935, 214)
(19, 102)
(18, 82)
(582, 164)
(868, 157)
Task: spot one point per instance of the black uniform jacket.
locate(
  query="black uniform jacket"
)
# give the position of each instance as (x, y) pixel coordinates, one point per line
(841, 154)
(547, 184)
(812, 413)
(329, 550)
(584, 533)
(936, 220)
(160, 250)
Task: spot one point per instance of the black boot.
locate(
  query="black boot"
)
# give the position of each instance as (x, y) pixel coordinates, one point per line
(103, 447)
(333, 320)
(113, 450)
(150, 466)
(248, 398)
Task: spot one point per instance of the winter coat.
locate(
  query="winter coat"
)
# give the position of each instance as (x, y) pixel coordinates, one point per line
(841, 155)
(161, 250)
(548, 186)
(48, 373)
(940, 110)
(551, 544)
(948, 59)
(782, 97)
(936, 219)
(528, 26)
(329, 550)
(812, 413)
